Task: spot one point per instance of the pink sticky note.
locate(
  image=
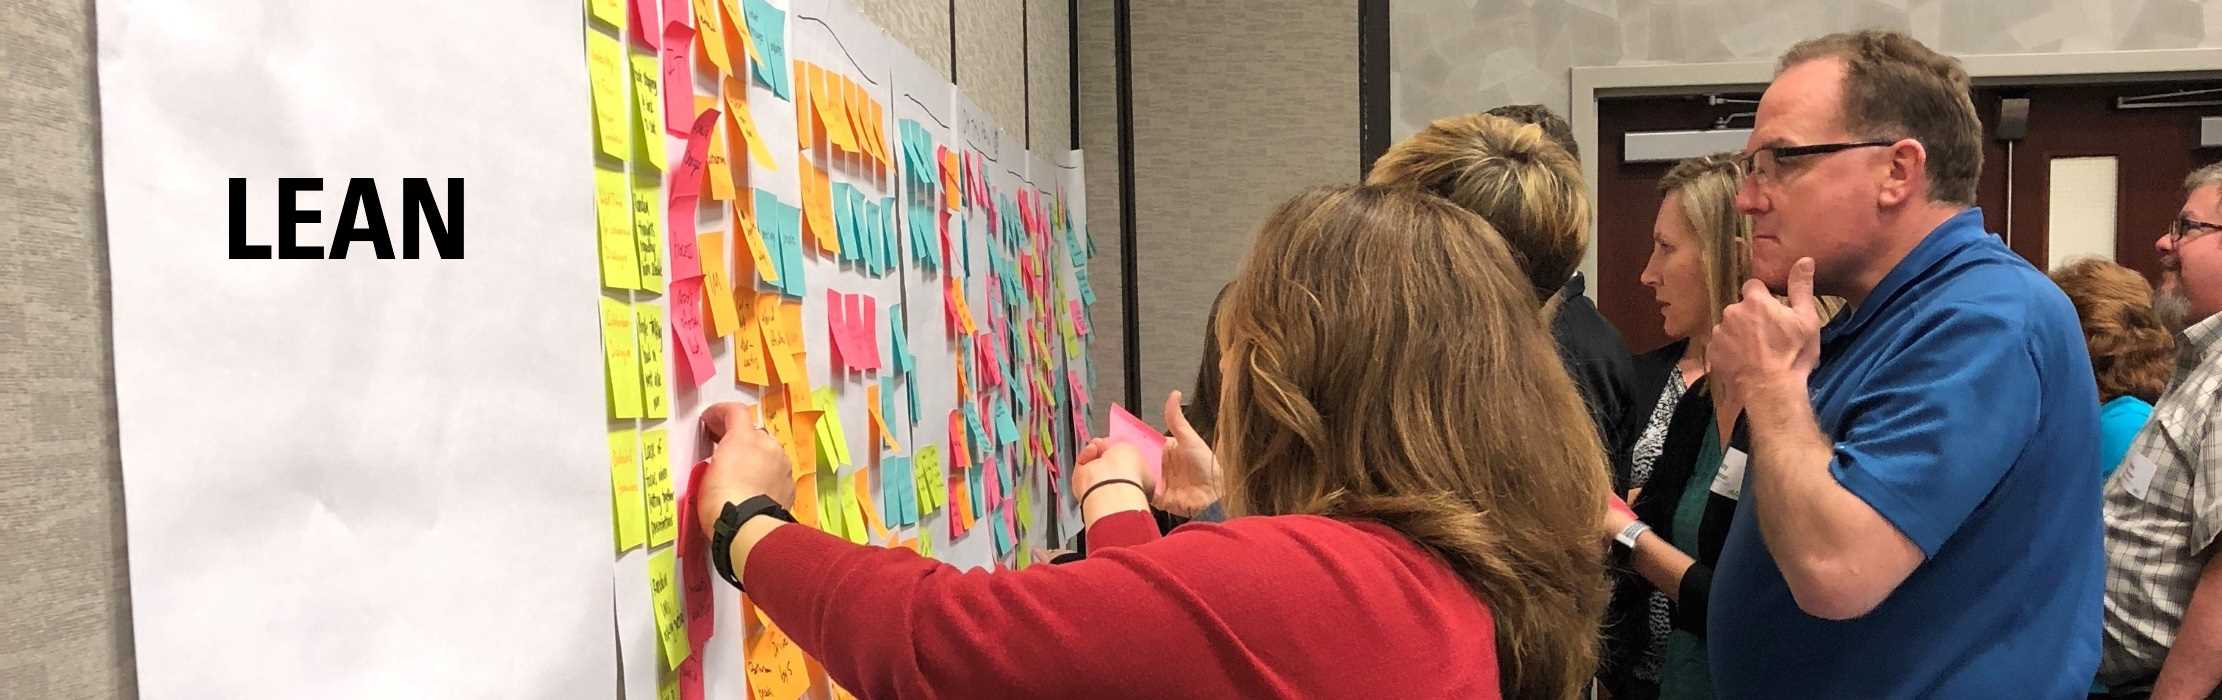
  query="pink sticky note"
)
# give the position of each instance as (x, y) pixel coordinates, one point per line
(690, 677)
(867, 330)
(837, 330)
(1079, 320)
(686, 260)
(643, 17)
(678, 81)
(686, 314)
(1129, 430)
(694, 563)
(686, 180)
(678, 12)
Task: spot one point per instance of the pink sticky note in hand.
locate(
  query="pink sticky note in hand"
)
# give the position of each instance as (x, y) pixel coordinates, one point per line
(1129, 430)
(694, 564)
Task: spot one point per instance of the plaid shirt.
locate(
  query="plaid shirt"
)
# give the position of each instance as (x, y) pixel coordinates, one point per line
(2163, 507)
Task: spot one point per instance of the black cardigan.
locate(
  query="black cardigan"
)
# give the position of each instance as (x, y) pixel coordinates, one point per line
(1662, 493)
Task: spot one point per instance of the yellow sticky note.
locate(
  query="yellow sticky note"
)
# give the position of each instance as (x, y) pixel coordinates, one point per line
(667, 687)
(631, 514)
(710, 36)
(1026, 506)
(775, 665)
(618, 358)
(655, 476)
(610, 12)
(925, 545)
(723, 318)
(736, 26)
(671, 623)
(648, 111)
(648, 323)
(736, 104)
(879, 421)
(605, 73)
(648, 234)
(613, 217)
(831, 427)
(715, 169)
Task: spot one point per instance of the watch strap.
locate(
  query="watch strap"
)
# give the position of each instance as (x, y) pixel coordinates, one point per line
(1627, 536)
(729, 524)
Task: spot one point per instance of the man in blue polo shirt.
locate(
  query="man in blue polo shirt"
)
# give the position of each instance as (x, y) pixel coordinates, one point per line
(1919, 516)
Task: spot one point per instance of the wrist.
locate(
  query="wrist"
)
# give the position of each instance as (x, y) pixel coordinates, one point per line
(1114, 495)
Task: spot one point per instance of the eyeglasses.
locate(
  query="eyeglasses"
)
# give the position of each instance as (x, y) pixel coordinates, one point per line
(1765, 165)
(2186, 227)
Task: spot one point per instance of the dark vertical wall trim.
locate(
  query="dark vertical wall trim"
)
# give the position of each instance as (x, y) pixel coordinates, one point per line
(1373, 82)
(952, 42)
(1072, 69)
(1123, 69)
(1026, 71)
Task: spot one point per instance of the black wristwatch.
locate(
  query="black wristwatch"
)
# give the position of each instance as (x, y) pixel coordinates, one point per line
(729, 522)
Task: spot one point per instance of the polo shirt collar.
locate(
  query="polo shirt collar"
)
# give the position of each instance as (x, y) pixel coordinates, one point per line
(1960, 231)
(2200, 343)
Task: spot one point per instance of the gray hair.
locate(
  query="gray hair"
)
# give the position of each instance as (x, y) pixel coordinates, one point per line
(2203, 177)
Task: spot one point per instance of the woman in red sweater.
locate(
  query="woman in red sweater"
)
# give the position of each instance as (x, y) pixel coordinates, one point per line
(1420, 474)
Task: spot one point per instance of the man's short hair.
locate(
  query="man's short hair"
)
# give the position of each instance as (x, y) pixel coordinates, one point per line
(1895, 87)
(2208, 176)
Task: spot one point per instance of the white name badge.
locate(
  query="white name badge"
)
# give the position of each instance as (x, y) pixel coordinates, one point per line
(1729, 481)
(2140, 476)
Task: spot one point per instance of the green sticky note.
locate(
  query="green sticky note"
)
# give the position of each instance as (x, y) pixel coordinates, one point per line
(671, 624)
(631, 516)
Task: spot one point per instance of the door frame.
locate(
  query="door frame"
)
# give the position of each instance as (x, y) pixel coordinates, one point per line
(1589, 83)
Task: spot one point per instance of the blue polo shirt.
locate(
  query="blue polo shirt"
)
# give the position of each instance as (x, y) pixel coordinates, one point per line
(1960, 398)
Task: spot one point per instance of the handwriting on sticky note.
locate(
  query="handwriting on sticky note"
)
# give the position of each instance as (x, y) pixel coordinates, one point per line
(619, 358)
(767, 34)
(613, 218)
(694, 571)
(687, 330)
(724, 320)
(648, 250)
(776, 666)
(655, 395)
(648, 139)
(687, 181)
(1131, 431)
(678, 78)
(655, 473)
(745, 121)
(709, 27)
(631, 515)
(671, 623)
(605, 72)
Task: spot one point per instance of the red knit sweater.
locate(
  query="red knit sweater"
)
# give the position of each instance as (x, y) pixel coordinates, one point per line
(1289, 606)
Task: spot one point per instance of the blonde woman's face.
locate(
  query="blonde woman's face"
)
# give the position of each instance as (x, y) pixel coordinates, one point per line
(1676, 273)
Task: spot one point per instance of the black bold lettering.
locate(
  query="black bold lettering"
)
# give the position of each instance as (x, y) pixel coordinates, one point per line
(288, 217)
(240, 249)
(362, 193)
(447, 234)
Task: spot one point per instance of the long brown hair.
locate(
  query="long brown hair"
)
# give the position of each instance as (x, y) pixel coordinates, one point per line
(1386, 362)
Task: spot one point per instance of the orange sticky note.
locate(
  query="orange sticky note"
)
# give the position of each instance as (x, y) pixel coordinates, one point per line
(723, 319)
(817, 205)
(710, 36)
(802, 453)
(777, 344)
(879, 421)
(744, 222)
(738, 46)
(949, 186)
(806, 82)
(875, 119)
(790, 321)
(852, 106)
(716, 170)
(833, 114)
(748, 344)
(871, 511)
(736, 104)
(776, 667)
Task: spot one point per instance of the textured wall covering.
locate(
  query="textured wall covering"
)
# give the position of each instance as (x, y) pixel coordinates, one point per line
(1049, 76)
(64, 596)
(991, 65)
(1455, 56)
(921, 25)
(1099, 136)
(1237, 106)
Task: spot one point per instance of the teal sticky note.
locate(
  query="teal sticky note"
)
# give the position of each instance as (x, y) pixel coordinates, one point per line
(791, 278)
(979, 500)
(899, 344)
(767, 27)
(910, 391)
(1006, 430)
(889, 246)
(868, 233)
(844, 220)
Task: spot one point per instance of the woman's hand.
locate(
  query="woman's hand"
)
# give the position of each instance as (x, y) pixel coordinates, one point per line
(1617, 516)
(1105, 462)
(1191, 472)
(747, 462)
